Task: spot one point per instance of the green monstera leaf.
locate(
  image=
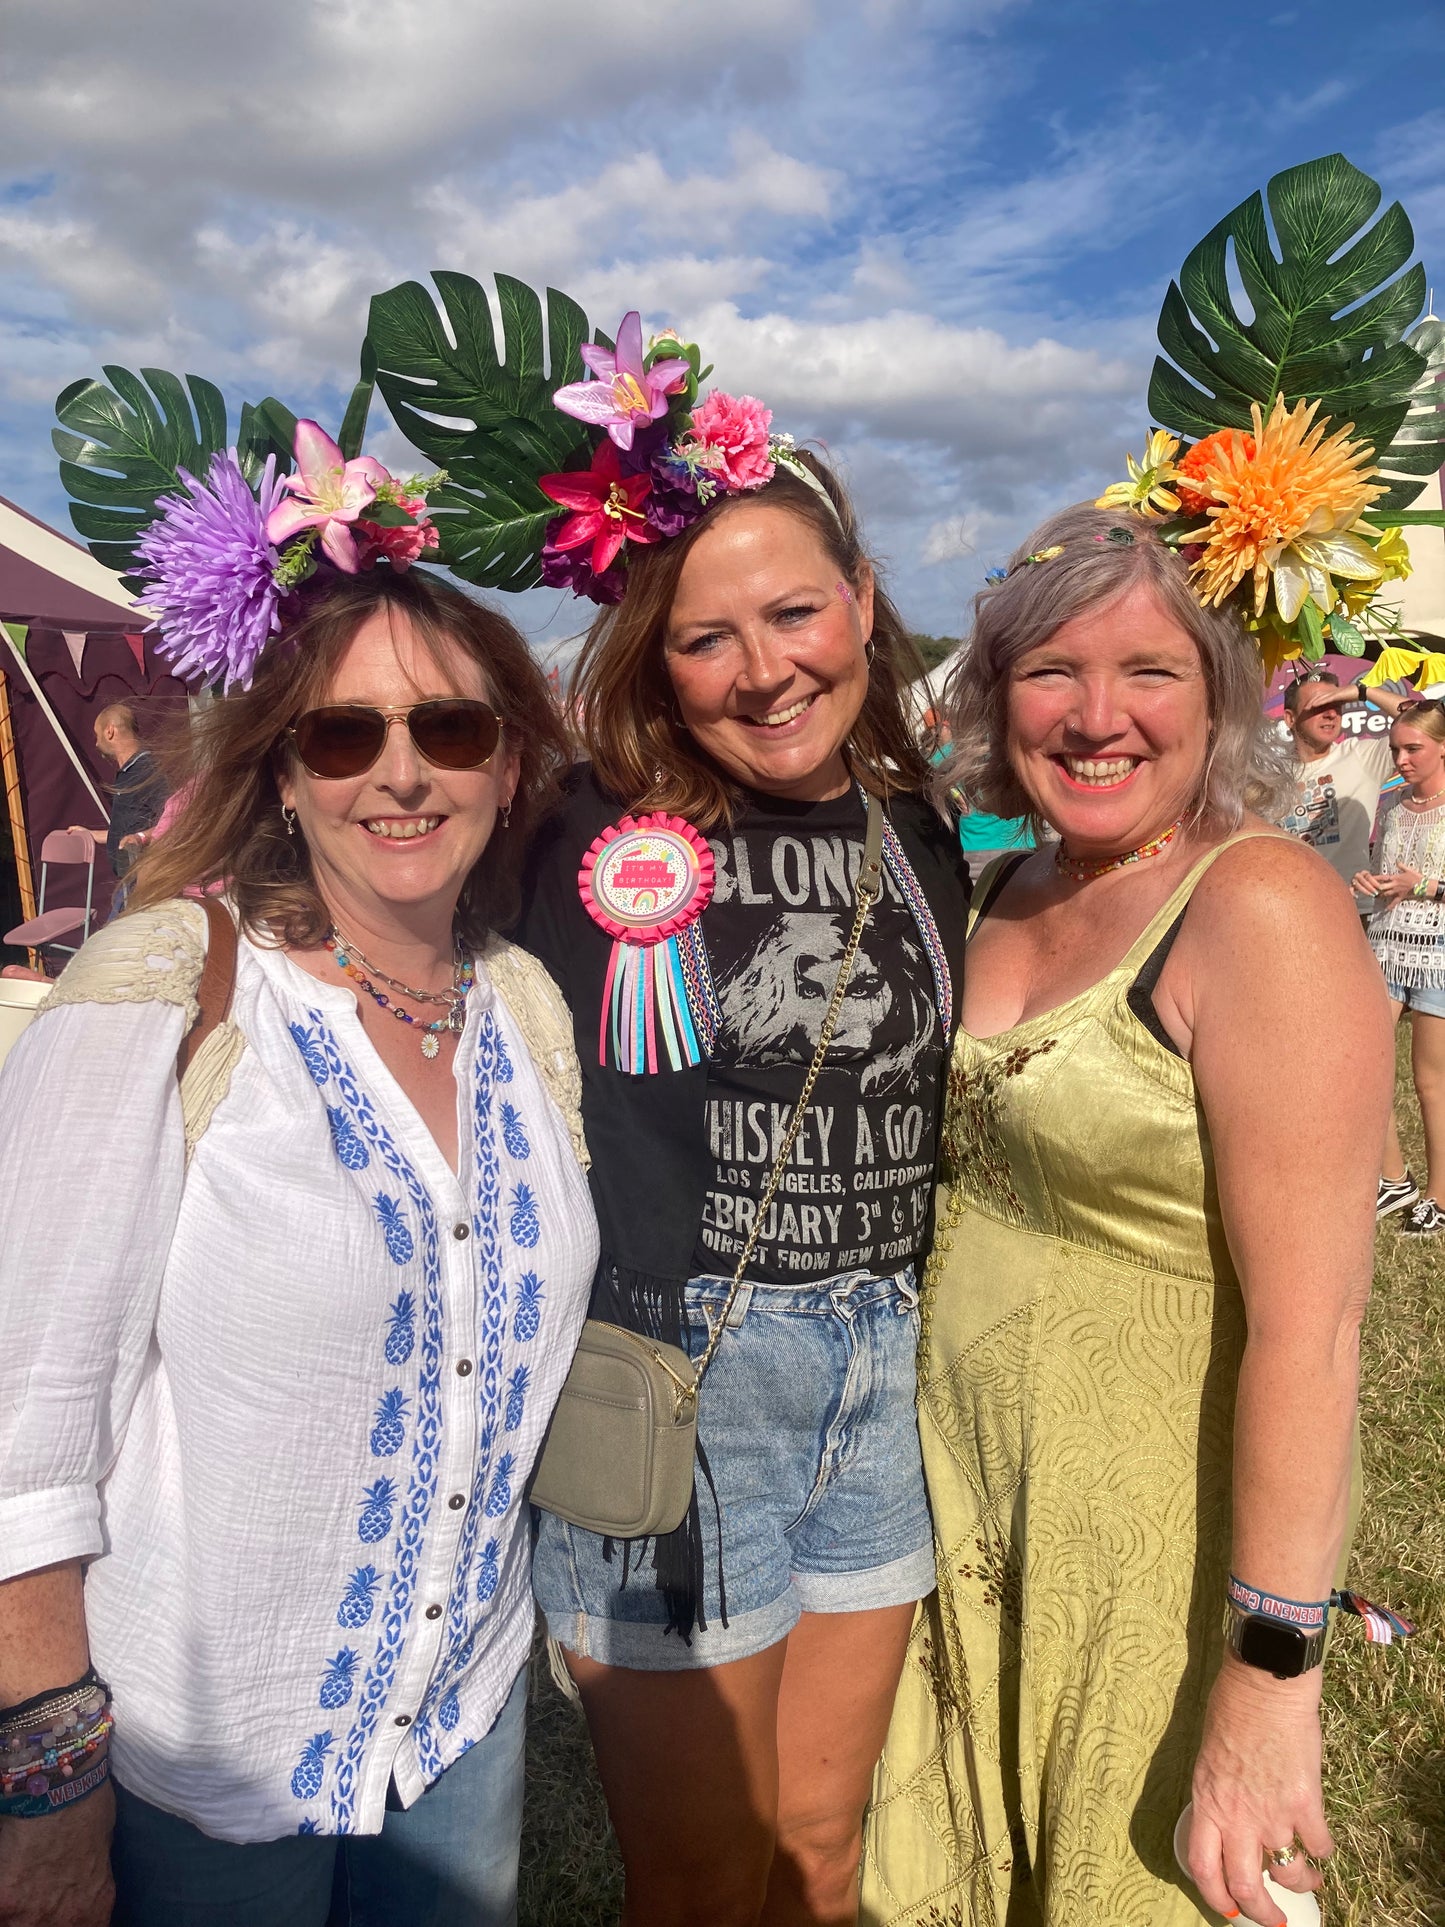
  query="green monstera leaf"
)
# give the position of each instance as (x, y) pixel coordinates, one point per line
(483, 413)
(1330, 313)
(122, 446)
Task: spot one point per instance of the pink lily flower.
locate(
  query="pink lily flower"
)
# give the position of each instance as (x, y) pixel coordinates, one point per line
(624, 393)
(607, 507)
(329, 493)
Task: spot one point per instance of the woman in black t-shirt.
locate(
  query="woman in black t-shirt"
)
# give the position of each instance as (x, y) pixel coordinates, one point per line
(738, 1674)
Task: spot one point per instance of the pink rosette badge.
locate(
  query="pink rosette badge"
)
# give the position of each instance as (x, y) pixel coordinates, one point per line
(646, 880)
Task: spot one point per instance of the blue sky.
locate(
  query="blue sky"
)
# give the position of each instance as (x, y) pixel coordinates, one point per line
(933, 236)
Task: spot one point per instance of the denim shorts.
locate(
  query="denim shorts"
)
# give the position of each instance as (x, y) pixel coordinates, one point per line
(1429, 999)
(808, 1423)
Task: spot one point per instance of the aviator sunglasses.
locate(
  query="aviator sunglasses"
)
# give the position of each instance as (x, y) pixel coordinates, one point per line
(345, 739)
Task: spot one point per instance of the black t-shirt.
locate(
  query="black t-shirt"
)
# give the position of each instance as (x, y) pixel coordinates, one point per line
(140, 796)
(855, 1193)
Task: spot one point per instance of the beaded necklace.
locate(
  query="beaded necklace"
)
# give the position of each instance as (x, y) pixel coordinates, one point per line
(1080, 872)
(463, 978)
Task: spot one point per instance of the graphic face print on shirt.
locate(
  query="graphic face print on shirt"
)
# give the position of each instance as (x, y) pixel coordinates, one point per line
(855, 1193)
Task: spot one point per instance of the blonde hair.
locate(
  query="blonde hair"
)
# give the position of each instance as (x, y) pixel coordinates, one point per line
(1103, 556)
(1425, 713)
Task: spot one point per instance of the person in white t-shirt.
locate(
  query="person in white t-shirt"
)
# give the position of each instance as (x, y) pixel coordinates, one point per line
(1337, 782)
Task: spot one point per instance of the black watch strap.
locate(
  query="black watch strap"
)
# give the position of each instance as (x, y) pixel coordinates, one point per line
(1273, 1645)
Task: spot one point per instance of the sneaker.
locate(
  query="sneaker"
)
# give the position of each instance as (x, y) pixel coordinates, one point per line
(1424, 1220)
(1394, 1194)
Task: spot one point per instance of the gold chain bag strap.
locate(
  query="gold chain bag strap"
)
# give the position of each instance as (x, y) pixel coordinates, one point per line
(619, 1454)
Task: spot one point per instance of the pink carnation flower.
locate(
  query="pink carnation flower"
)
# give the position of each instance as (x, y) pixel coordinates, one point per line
(729, 436)
(401, 546)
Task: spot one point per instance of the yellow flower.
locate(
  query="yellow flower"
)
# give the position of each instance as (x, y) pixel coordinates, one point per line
(1147, 490)
(1285, 512)
(1392, 552)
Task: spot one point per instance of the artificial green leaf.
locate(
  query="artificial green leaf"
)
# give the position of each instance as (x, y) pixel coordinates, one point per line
(483, 412)
(124, 445)
(353, 422)
(386, 515)
(1331, 309)
(1345, 638)
(1406, 518)
(1311, 630)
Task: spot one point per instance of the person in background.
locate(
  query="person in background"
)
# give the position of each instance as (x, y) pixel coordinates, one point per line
(140, 792)
(1406, 887)
(1337, 781)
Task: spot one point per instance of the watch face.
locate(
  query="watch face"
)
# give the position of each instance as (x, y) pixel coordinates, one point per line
(1273, 1647)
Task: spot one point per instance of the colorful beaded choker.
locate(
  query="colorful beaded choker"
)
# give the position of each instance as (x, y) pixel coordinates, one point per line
(455, 999)
(1079, 872)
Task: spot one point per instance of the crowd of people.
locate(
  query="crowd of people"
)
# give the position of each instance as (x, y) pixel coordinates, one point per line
(956, 1554)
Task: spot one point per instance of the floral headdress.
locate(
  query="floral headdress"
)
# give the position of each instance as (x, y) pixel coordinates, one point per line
(557, 458)
(1287, 503)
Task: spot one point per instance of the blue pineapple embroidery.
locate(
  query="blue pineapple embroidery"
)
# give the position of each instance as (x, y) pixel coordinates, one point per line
(389, 1429)
(306, 1780)
(516, 1396)
(339, 1681)
(309, 1826)
(514, 1135)
(389, 1215)
(312, 1055)
(349, 1147)
(376, 1509)
(448, 1713)
(500, 1496)
(487, 1573)
(528, 1315)
(523, 1223)
(357, 1606)
(504, 1063)
(401, 1329)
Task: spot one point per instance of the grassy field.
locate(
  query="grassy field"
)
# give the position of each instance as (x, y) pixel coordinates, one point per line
(1385, 1707)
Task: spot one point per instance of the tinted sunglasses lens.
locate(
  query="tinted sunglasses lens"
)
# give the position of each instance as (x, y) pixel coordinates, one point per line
(455, 735)
(340, 741)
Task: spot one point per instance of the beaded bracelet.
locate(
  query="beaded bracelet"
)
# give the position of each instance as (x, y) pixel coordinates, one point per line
(54, 1748)
(55, 1794)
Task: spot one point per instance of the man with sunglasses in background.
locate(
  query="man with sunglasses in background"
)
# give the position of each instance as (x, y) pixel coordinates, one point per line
(1338, 780)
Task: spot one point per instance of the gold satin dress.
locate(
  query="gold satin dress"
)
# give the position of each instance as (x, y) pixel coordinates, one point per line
(1082, 1335)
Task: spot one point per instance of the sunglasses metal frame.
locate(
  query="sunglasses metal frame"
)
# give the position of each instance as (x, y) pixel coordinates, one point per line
(396, 713)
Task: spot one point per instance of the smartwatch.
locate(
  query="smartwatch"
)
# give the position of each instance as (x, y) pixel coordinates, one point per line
(1273, 1645)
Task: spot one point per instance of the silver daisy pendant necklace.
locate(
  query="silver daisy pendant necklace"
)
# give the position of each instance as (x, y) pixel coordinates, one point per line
(350, 960)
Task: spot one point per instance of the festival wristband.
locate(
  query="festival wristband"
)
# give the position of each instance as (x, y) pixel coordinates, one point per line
(1309, 1617)
(53, 1795)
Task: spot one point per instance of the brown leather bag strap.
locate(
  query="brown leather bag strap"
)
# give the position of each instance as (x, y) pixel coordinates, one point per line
(218, 980)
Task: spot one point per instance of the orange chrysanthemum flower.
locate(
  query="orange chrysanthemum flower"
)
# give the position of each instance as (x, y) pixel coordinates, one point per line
(1196, 465)
(1294, 485)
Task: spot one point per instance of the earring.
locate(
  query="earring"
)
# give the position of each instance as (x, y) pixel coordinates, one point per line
(869, 651)
(288, 817)
(505, 812)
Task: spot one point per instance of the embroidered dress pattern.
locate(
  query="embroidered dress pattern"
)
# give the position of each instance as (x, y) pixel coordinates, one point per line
(500, 1398)
(1408, 938)
(319, 1050)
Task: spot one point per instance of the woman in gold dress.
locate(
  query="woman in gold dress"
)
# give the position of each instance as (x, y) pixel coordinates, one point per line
(1138, 1369)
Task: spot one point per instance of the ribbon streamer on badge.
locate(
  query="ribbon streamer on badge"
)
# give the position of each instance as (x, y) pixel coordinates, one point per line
(646, 880)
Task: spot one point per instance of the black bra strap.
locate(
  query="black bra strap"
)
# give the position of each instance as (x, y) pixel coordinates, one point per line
(1000, 877)
(1141, 991)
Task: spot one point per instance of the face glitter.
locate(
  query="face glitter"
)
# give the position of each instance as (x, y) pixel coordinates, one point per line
(845, 593)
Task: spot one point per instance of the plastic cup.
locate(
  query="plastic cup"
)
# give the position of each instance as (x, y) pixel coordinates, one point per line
(1299, 1910)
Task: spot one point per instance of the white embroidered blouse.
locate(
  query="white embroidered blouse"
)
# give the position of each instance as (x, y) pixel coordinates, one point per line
(1408, 938)
(285, 1398)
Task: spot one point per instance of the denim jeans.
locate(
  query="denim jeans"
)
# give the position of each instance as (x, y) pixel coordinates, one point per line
(448, 1861)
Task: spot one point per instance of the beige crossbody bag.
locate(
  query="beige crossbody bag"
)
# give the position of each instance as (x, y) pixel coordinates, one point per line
(619, 1454)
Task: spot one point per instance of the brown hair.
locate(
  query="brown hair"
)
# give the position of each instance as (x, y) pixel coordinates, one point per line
(1294, 692)
(640, 749)
(230, 824)
(1104, 557)
(121, 713)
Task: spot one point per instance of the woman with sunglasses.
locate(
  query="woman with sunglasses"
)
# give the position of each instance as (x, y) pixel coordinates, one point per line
(278, 1367)
(1407, 934)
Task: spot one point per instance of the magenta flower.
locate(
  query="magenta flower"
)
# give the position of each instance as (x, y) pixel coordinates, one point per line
(729, 439)
(607, 508)
(625, 393)
(329, 494)
(400, 545)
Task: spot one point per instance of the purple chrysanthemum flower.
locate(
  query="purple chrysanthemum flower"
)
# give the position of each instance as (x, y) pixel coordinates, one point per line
(572, 569)
(213, 571)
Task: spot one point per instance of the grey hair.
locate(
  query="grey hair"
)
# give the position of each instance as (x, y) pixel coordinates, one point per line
(1245, 768)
